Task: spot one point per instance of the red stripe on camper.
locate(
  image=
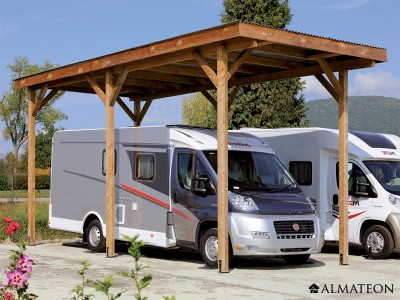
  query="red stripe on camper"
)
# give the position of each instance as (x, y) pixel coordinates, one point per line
(154, 200)
(356, 215)
(351, 216)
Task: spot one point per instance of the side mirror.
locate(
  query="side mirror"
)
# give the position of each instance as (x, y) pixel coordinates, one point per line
(361, 189)
(202, 184)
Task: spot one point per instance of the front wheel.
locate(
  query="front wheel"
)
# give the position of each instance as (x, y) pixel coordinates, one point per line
(209, 247)
(95, 238)
(296, 259)
(377, 242)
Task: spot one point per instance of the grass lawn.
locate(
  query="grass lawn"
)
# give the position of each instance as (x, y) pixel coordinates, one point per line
(24, 194)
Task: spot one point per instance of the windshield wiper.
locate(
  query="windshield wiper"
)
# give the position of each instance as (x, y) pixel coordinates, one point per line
(284, 188)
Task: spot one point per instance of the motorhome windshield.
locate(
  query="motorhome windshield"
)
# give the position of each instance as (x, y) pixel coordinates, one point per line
(387, 173)
(254, 171)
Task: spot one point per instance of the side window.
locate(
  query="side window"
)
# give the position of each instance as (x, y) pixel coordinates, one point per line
(301, 171)
(104, 162)
(145, 167)
(185, 170)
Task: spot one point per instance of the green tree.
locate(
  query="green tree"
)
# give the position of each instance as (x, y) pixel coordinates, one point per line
(271, 104)
(14, 106)
(198, 111)
(43, 147)
(267, 105)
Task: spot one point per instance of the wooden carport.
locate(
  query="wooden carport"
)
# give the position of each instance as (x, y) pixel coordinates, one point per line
(229, 55)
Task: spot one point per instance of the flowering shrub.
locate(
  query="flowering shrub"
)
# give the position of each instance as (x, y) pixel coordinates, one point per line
(18, 271)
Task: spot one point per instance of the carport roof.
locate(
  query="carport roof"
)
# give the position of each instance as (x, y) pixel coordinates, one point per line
(179, 65)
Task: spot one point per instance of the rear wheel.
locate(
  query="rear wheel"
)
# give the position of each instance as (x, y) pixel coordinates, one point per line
(95, 238)
(296, 259)
(377, 242)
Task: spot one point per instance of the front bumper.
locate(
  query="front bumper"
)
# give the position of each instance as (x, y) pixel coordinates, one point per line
(256, 235)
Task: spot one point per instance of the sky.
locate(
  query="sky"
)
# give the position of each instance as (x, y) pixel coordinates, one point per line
(69, 31)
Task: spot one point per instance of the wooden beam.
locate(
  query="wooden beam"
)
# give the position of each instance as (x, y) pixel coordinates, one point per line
(126, 109)
(306, 71)
(343, 170)
(110, 162)
(48, 98)
(95, 86)
(39, 100)
(329, 73)
(238, 62)
(206, 67)
(31, 167)
(118, 86)
(222, 156)
(328, 86)
(143, 112)
(209, 98)
(136, 108)
(233, 95)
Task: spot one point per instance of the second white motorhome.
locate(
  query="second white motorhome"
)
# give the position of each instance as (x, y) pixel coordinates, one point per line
(166, 183)
(311, 155)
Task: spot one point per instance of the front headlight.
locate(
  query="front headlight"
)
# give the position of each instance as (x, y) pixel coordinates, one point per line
(242, 202)
(394, 200)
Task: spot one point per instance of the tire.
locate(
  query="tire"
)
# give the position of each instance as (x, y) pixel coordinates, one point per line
(209, 248)
(94, 237)
(379, 239)
(296, 259)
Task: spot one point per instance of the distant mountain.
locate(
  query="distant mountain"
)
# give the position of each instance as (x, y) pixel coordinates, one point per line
(366, 113)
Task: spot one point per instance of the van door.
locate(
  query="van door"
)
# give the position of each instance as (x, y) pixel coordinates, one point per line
(359, 198)
(193, 194)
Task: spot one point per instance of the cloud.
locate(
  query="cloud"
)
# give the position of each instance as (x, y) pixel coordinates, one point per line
(314, 89)
(342, 5)
(376, 83)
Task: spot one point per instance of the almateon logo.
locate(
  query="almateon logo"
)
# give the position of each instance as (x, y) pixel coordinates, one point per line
(355, 288)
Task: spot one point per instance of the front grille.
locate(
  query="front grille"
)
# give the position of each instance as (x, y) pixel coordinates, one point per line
(294, 229)
(295, 249)
(294, 236)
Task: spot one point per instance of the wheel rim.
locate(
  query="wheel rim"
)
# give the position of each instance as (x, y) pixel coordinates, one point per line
(212, 248)
(94, 236)
(376, 242)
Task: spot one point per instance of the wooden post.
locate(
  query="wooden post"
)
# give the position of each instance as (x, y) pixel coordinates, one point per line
(110, 161)
(343, 170)
(222, 136)
(31, 167)
(136, 111)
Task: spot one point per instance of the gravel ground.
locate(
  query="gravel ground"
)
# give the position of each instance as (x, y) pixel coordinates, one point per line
(183, 274)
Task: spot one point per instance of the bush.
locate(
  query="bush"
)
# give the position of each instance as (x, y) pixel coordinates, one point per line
(20, 181)
(3, 182)
(42, 181)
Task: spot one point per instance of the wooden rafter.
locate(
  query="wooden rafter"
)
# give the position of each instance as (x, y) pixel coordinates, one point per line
(329, 73)
(209, 98)
(206, 67)
(233, 94)
(126, 109)
(328, 86)
(96, 88)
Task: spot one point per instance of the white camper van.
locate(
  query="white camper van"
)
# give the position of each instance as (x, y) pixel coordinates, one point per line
(311, 155)
(166, 184)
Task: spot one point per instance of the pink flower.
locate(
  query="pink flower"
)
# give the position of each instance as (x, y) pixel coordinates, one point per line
(12, 227)
(7, 220)
(15, 225)
(8, 296)
(17, 278)
(24, 263)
